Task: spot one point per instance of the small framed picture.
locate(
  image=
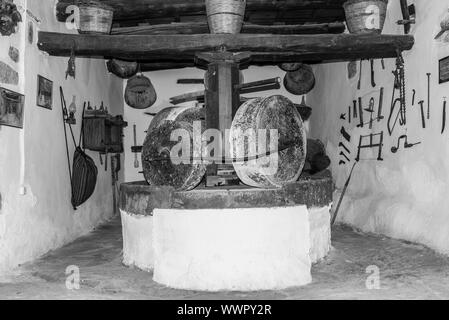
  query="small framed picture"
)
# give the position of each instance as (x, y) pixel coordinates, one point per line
(44, 92)
(444, 70)
(11, 108)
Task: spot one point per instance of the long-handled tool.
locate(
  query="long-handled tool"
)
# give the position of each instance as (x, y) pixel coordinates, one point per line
(381, 102)
(360, 114)
(359, 85)
(371, 112)
(373, 82)
(428, 95)
(444, 116)
(136, 159)
(343, 193)
(423, 116)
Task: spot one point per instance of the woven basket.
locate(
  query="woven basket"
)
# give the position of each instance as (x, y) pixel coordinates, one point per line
(290, 67)
(95, 17)
(225, 16)
(123, 69)
(360, 16)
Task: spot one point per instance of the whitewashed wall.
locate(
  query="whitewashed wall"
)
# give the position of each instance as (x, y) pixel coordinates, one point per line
(34, 160)
(406, 195)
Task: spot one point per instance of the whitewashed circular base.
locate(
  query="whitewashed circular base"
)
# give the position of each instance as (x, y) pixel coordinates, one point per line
(228, 249)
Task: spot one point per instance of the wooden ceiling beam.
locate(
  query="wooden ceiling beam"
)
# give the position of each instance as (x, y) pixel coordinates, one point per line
(184, 47)
(148, 9)
(203, 28)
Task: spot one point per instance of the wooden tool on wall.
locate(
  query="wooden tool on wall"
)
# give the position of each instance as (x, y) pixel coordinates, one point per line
(408, 15)
(251, 87)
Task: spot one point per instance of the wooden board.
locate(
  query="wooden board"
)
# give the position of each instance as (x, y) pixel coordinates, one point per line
(263, 48)
(203, 28)
(257, 10)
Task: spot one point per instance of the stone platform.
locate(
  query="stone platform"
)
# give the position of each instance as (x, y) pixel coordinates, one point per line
(234, 238)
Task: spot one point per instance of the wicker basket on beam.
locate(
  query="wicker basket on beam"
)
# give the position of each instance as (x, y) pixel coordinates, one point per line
(365, 16)
(94, 17)
(225, 16)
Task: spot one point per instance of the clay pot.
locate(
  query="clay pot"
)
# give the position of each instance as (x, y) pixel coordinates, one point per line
(301, 81)
(140, 93)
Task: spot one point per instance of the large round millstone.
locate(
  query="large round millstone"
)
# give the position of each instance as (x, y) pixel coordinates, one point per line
(280, 166)
(186, 114)
(159, 167)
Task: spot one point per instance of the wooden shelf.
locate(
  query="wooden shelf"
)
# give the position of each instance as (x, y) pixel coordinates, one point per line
(265, 49)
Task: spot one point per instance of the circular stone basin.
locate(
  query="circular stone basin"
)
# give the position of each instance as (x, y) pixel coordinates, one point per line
(234, 238)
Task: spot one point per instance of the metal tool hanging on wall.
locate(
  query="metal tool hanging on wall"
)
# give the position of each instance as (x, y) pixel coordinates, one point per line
(428, 95)
(408, 16)
(407, 145)
(373, 81)
(423, 116)
(444, 115)
(399, 84)
(359, 84)
(136, 160)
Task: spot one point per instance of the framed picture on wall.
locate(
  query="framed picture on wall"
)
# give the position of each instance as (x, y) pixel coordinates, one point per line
(11, 108)
(444, 70)
(44, 92)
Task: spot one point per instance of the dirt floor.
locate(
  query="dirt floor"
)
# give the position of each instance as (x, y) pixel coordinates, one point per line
(406, 271)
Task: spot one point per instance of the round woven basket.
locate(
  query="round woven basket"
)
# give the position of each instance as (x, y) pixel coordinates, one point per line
(365, 16)
(301, 81)
(95, 17)
(290, 67)
(225, 16)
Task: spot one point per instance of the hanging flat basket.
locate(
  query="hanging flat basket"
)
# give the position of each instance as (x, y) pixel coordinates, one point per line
(140, 93)
(94, 17)
(225, 16)
(290, 67)
(301, 81)
(123, 69)
(365, 16)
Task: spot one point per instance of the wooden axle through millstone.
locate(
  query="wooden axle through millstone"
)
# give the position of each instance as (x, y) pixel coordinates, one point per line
(222, 96)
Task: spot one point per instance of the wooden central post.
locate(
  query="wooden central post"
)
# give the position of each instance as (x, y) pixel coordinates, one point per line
(222, 98)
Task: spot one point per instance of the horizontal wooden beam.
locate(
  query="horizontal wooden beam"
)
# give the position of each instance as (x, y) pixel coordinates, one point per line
(203, 28)
(148, 9)
(263, 48)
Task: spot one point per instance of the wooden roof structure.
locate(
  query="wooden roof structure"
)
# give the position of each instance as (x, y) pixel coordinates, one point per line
(165, 34)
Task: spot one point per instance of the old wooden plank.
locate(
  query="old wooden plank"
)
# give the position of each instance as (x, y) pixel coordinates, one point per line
(150, 9)
(271, 48)
(203, 28)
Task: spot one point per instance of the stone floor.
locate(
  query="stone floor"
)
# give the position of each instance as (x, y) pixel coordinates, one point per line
(407, 271)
